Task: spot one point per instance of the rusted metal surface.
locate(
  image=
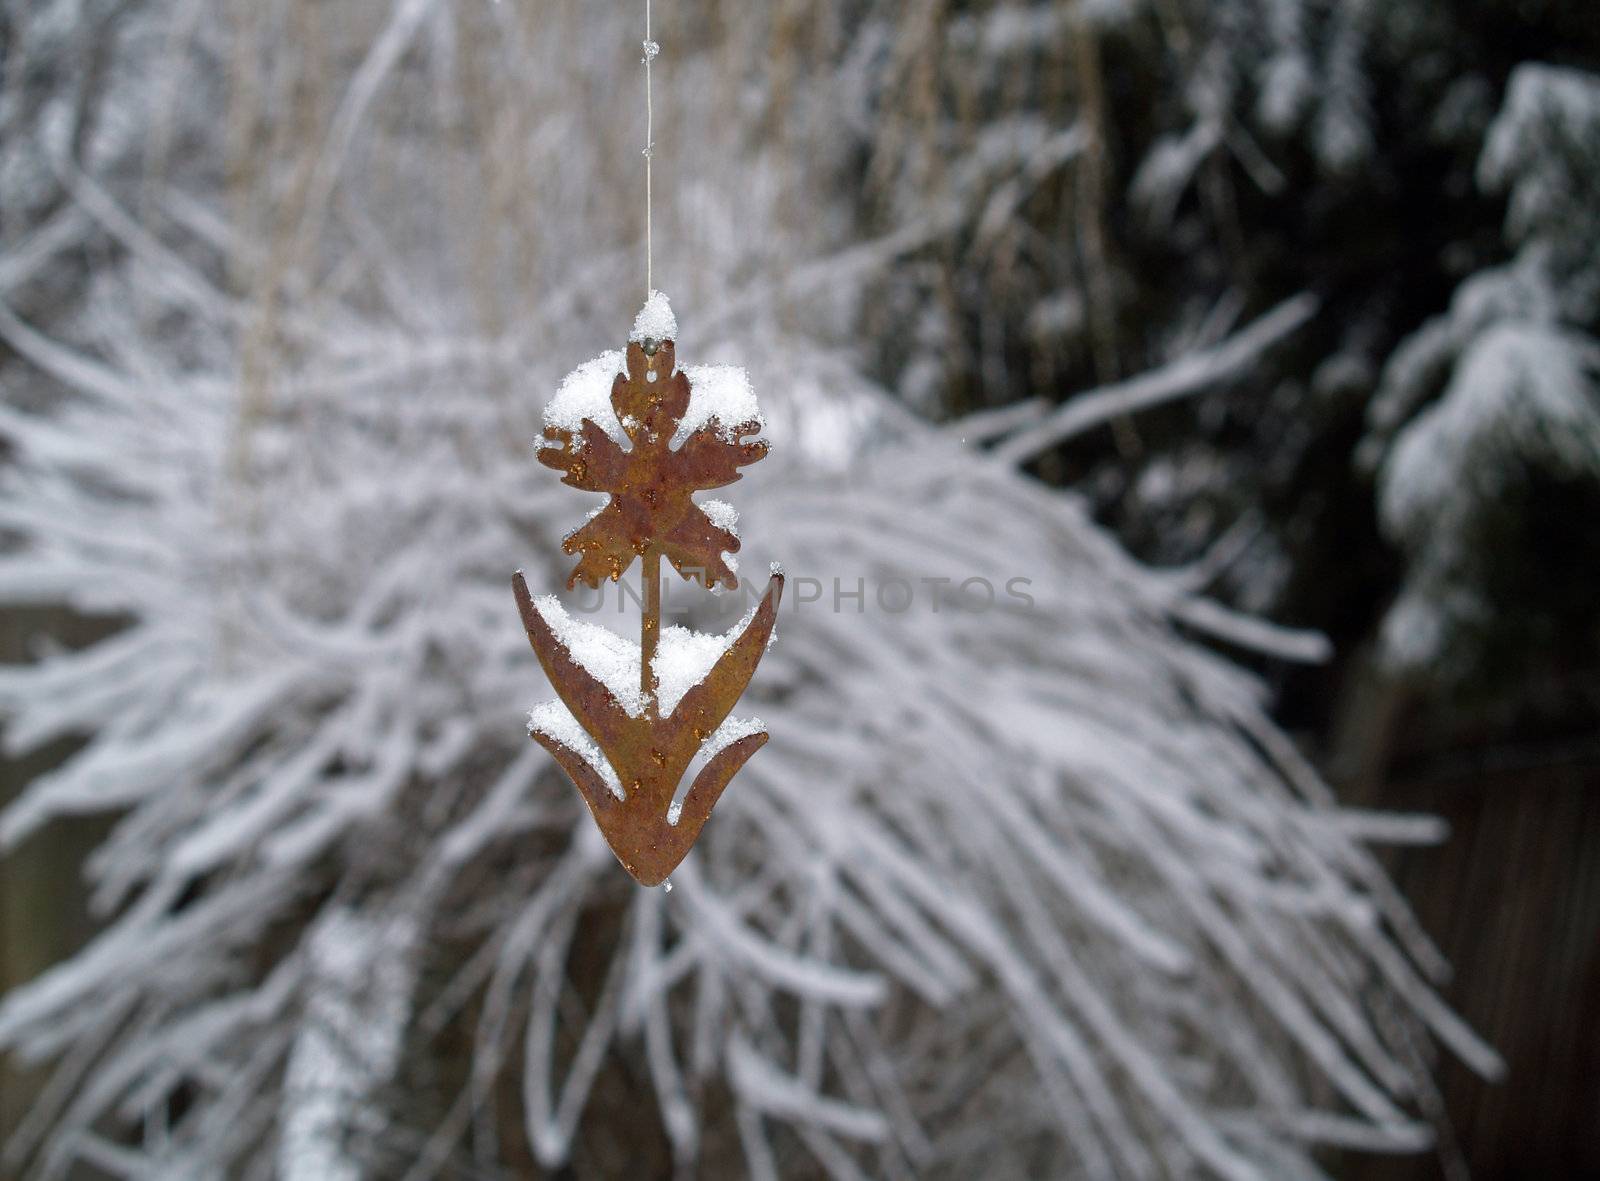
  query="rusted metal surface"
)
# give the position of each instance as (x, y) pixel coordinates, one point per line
(650, 516)
(649, 485)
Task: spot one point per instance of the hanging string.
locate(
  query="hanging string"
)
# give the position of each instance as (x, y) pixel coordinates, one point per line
(650, 51)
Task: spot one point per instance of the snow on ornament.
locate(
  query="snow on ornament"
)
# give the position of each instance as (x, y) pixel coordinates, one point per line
(649, 434)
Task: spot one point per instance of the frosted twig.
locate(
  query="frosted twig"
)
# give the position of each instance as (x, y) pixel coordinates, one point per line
(1187, 375)
(385, 53)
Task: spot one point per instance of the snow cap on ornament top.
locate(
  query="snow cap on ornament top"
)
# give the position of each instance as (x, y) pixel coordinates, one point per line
(654, 324)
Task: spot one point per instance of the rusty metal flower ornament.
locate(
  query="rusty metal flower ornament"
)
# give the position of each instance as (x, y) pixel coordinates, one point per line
(632, 720)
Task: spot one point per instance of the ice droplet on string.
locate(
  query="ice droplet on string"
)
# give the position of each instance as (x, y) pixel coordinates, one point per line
(667, 885)
(652, 50)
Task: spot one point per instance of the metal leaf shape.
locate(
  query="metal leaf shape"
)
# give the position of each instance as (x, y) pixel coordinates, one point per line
(650, 481)
(650, 516)
(650, 753)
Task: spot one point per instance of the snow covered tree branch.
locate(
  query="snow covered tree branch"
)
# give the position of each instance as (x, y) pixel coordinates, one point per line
(1504, 389)
(1189, 374)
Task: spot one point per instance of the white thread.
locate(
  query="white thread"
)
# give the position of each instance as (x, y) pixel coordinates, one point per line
(650, 51)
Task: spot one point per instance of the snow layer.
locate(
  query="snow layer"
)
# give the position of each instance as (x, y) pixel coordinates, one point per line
(683, 656)
(1550, 119)
(725, 735)
(1521, 393)
(555, 720)
(1505, 384)
(720, 394)
(610, 659)
(586, 393)
(655, 321)
(723, 515)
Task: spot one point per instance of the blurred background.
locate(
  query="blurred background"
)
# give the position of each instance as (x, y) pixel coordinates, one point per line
(1262, 337)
